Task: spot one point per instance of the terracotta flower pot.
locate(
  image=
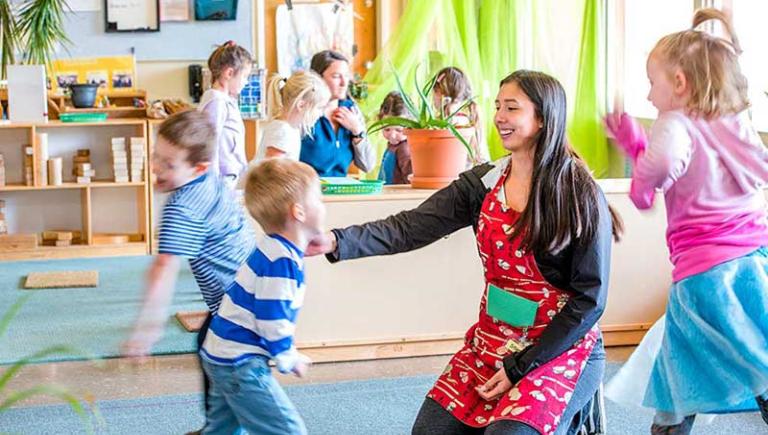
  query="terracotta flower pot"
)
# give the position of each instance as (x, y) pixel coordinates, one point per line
(437, 156)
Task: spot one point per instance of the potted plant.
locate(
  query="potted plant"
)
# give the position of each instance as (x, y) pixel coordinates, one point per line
(439, 150)
(34, 28)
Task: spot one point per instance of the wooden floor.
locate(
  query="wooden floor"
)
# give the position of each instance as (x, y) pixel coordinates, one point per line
(180, 374)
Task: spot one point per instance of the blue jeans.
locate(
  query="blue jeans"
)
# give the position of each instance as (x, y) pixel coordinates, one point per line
(247, 396)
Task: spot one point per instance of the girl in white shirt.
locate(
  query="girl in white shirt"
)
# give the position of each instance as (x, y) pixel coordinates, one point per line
(295, 104)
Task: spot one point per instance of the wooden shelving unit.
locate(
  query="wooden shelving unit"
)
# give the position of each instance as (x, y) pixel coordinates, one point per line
(122, 105)
(141, 199)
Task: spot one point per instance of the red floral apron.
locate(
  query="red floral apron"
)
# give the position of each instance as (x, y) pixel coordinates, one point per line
(540, 398)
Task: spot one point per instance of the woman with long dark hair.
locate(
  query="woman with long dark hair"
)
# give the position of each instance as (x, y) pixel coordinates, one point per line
(544, 233)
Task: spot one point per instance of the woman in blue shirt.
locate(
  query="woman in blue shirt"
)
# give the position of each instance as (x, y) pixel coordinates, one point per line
(338, 137)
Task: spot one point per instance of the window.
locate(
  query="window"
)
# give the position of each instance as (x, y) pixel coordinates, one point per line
(749, 21)
(647, 21)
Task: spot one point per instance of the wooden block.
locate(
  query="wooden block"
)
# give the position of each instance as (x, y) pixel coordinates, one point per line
(136, 237)
(18, 242)
(110, 239)
(53, 235)
(61, 243)
(85, 172)
(64, 279)
(81, 160)
(83, 152)
(55, 171)
(192, 321)
(58, 235)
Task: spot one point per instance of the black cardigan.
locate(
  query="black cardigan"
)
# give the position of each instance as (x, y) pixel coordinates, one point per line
(582, 269)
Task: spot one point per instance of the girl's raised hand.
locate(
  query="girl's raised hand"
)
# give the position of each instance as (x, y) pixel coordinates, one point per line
(627, 133)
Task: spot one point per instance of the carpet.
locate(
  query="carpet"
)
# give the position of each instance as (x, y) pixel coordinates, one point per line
(381, 406)
(95, 320)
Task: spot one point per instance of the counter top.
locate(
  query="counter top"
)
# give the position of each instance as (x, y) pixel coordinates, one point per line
(388, 193)
(406, 192)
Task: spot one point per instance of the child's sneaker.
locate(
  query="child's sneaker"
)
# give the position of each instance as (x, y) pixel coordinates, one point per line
(762, 403)
(683, 428)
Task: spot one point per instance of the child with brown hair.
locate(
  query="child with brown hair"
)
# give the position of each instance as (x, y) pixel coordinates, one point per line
(396, 165)
(452, 95)
(295, 104)
(201, 222)
(709, 353)
(230, 66)
(256, 321)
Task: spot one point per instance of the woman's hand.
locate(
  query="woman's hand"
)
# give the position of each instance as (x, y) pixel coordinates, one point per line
(628, 134)
(323, 244)
(498, 385)
(349, 120)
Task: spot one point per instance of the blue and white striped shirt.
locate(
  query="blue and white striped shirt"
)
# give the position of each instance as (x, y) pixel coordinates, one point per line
(258, 312)
(203, 223)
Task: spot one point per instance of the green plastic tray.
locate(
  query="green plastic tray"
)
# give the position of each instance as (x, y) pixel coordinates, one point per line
(361, 187)
(83, 117)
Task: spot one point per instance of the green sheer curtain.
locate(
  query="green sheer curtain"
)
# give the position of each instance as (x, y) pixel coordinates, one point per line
(498, 47)
(486, 39)
(585, 130)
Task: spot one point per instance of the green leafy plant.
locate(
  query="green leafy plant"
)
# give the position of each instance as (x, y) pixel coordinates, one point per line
(10, 398)
(34, 28)
(8, 42)
(421, 111)
(41, 27)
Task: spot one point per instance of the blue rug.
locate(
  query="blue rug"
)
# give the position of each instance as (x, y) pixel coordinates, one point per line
(384, 406)
(94, 320)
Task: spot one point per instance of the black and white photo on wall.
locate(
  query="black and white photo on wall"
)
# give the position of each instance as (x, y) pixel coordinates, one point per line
(215, 10)
(132, 15)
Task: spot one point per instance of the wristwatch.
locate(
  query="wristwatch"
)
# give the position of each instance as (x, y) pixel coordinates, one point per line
(360, 135)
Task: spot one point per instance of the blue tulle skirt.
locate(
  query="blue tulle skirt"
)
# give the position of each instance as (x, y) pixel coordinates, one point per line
(709, 353)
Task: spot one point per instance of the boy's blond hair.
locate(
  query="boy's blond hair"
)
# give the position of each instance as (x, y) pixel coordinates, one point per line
(283, 95)
(191, 131)
(273, 186)
(709, 63)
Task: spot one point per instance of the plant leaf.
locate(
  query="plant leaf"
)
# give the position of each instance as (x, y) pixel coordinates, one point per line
(8, 37)
(397, 121)
(55, 391)
(406, 98)
(10, 372)
(12, 311)
(426, 107)
(462, 107)
(463, 141)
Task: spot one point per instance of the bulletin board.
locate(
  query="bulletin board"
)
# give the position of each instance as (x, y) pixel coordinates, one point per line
(185, 40)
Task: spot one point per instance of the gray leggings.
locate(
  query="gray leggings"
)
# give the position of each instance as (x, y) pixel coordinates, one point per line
(434, 419)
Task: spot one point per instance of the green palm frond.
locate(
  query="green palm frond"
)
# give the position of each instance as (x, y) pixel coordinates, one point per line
(8, 36)
(41, 29)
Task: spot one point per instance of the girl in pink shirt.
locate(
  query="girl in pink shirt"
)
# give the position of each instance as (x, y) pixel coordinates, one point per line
(709, 353)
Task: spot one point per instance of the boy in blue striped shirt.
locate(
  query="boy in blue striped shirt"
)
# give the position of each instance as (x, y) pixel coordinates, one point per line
(256, 320)
(201, 222)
